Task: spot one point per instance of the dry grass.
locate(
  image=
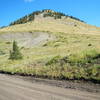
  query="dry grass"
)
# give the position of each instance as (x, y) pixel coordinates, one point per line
(64, 25)
(72, 39)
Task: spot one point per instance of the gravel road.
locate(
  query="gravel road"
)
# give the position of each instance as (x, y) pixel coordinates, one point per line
(14, 88)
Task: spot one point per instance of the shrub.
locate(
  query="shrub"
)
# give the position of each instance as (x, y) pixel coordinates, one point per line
(1, 52)
(84, 58)
(54, 60)
(15, 53)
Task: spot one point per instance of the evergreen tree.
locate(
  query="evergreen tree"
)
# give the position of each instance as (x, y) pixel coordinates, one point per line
(15, 53)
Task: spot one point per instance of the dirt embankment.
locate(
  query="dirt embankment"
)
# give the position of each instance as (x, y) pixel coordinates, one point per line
(27, 39)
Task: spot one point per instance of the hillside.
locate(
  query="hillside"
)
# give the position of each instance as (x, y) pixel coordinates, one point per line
(44, 13)
(64, 24)
(55, 46)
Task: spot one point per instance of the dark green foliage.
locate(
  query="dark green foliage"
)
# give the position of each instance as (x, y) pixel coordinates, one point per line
(23, 20)
(1, 52)
(58, 59)
(62, 68)
(54, 60)
(90, 58)
(56, 15)
(2, 27)
(47, 13)
(90, 44)
(8, 42)
(76, 18)
(94, 72)
(15, 53)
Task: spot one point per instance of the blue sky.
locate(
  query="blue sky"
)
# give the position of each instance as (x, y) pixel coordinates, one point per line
(87, 10)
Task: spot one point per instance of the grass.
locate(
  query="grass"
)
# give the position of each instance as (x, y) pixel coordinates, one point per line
(60, 25)
(57, 72)
(68, 57)
(84, 57)
(74, 54)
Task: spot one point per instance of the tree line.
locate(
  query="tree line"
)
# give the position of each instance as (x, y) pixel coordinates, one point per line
(47, 13)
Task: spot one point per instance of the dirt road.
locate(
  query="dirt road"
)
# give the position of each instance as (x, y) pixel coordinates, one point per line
(13, 88)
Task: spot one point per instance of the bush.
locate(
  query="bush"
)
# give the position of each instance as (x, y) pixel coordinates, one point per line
(84, 58)
(1, 52)
(54, 60)
(15, 53)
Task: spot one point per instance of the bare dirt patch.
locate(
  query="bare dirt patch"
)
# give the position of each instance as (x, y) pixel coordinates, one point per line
(27, 39)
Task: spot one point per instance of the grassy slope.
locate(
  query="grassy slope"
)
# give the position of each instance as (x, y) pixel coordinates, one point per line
(68, 25)
(72, 41)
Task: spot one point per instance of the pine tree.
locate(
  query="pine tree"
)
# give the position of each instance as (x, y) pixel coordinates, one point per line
(15, 53)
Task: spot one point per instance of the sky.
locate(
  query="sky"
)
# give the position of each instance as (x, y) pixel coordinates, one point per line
(86, 10)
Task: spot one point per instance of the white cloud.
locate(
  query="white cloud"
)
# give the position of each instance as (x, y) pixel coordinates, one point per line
(29, 0)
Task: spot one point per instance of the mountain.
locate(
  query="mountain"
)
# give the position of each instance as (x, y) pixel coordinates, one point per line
(49, 20)
(53, 45)
(43, 13)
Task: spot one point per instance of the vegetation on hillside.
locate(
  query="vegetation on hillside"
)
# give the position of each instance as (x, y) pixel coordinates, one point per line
(15, 53)
(73, 53)
(60, 68)
(67, 57)
(46, 13)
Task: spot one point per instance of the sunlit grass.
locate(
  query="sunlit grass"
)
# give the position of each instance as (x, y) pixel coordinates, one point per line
(80, 50)
(52, 25)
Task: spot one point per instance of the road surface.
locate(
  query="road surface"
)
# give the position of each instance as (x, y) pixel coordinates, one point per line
(12, 88)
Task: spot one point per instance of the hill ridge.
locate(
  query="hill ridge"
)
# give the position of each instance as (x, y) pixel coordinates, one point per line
(45, 13)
